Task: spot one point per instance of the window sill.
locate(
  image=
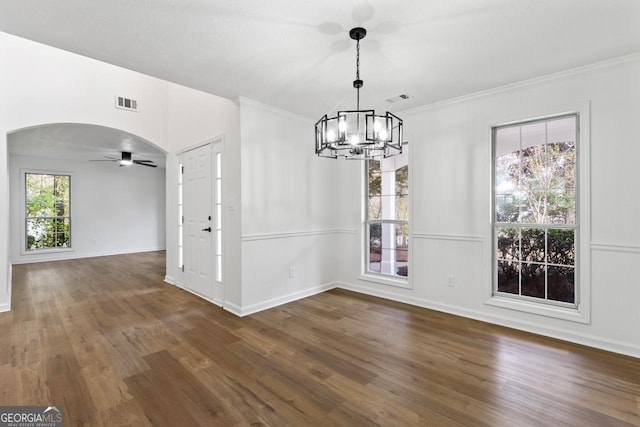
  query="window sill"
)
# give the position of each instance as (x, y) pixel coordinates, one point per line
(45, 251)
(386, 280)
(556, 312)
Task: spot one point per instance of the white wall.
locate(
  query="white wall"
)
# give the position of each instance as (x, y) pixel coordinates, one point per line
(450, 189)
(288, 203)
(114, 210)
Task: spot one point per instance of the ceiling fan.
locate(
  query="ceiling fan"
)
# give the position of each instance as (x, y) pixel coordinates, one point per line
(126, 160)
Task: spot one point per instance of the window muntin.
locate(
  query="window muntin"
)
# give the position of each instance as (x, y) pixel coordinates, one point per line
(387, 217)
(535, 215)
(47, 211)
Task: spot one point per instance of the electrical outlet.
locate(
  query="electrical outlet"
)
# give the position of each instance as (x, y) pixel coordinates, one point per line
(292, 272)
(451, 281)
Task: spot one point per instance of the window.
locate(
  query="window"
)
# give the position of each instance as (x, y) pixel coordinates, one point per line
(47, 207)
(535, 217)
(387, 216)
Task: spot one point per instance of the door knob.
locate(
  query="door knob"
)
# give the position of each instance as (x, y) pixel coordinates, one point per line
(207, 229)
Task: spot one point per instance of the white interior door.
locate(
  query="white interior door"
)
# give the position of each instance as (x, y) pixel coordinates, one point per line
(198, 221)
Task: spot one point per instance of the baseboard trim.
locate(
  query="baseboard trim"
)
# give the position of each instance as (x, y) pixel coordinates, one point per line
(254, 308)
(170, 280)
(5, 307)
(63, 256)
(557, 333)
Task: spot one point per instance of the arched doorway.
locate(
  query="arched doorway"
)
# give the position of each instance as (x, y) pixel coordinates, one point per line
(114, 208)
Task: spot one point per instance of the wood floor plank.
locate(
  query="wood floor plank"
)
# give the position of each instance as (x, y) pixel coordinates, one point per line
(113, 344)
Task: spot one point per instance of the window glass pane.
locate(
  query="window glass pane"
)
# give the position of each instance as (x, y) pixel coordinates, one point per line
(533, 207)
(561, 164)
(507, 140)
(387, 261)
(375, 178)
(561, 206)
(375, 207)
(402, 180)
(532, 242)
(533, 134)
(561, 246)
(387, 208)
(375, 235)
(375, 255)
(533, 168)
(532, 279)
(508, 277)
(562, 130)
(507, 207)
(561, 284)
(402, 208)
(507, 172)
(402, 264)
(402, 236)
(508, 244)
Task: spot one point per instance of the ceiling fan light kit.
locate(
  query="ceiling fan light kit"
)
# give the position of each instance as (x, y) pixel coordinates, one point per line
(359, 134)
(126, 159)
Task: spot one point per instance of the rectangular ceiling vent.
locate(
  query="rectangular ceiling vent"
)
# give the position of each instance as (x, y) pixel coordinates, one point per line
(398, 98)
(126, 103)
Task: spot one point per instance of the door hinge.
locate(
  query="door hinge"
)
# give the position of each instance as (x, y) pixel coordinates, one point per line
(182, 170)
(183, 219)
(183, 268)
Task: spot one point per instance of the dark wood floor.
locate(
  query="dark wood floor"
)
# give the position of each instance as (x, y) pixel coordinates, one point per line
(114, 345)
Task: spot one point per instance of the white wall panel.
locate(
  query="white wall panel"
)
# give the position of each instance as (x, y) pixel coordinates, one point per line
(288, 208)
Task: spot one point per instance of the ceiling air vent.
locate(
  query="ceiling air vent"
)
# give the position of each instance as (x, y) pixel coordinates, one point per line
(398, 98)
(126, 103)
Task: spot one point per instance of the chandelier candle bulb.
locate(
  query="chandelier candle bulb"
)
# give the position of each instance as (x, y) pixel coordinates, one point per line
(370, 136)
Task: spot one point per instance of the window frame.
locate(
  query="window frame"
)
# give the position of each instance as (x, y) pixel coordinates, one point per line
(24, 219)
(372, 276)
(581, 311)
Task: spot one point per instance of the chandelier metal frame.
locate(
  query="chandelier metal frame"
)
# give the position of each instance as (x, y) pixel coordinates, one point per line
(359, 134)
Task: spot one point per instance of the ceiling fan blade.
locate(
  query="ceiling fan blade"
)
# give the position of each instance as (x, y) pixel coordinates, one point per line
(142, 163)
(114, 160)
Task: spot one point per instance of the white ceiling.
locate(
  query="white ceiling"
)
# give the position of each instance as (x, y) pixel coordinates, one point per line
(296, 54)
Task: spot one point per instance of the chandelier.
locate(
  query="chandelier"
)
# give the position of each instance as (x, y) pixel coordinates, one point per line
(359, 134)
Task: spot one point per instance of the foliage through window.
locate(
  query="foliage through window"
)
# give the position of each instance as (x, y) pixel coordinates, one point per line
(387, 216)
(48, 218)
(535, 209)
